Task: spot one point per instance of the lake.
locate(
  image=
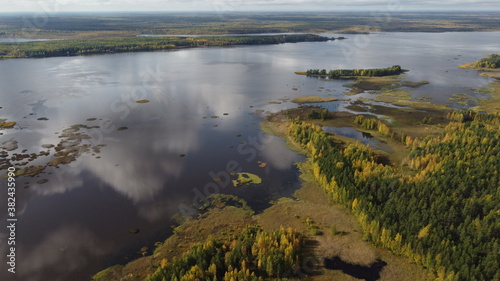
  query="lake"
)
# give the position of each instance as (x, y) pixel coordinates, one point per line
(202, 119)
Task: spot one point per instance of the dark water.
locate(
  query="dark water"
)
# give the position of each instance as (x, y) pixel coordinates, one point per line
(77, 223)
(367, 273)
(364, 138)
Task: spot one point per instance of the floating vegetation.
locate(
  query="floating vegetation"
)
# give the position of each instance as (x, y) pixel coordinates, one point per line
(214, 116)
(312, 99)
(423, 98)
(225, 113)
(294, 89)
(142, 101)
(122, 128)
(182, 155)
(262, 164)
(73, 144)
(133, 231)
(30, 171)
(246, 179)
(464, 99)
(274, 102)
(42, 181)
(9, 145)
(91, 119)
(42, 119)
(412, 84)
(6, 125)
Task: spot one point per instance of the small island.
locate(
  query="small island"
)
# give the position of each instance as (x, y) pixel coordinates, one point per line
(490, 65)
(351, 73)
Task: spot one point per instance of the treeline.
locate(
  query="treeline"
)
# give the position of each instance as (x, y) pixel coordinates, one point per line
(338, 73)
(374, 124)
(251, 256)
(441, 211)
(493, 61)
(54, 48)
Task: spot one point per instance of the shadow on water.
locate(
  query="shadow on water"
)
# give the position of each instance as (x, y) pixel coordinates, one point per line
(368, 273)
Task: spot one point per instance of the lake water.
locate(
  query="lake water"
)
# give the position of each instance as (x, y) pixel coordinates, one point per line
(20, 40)
(171, 149)
(364, 138)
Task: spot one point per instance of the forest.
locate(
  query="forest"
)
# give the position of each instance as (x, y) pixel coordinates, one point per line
(89, 25)
(423, 208)
(493, 61)
(53, 48)
(251, 256)
(341, 73)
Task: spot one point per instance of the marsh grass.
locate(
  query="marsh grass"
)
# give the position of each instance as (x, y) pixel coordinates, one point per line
(491, 105)
(313, 99)
(374, 83)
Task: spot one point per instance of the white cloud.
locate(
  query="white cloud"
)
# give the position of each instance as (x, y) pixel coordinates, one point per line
(240, 5)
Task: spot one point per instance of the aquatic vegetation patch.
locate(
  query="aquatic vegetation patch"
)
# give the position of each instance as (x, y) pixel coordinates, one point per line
(412, 84)
(133, 231)
(246, 179)
(4, 124)
(313, 99)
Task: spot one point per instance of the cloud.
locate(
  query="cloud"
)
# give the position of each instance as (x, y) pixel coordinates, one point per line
(240, 5)
(58, 254)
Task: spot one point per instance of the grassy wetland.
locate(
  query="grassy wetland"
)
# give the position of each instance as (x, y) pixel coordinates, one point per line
(488, 67)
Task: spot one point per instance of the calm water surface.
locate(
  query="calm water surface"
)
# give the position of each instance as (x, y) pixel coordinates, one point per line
(77, 223)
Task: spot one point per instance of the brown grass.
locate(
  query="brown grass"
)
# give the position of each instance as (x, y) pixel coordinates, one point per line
(495, 75)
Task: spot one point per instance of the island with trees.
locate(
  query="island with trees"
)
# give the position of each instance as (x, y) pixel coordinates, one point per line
(351, 73)
(490, 66)
(491, 62)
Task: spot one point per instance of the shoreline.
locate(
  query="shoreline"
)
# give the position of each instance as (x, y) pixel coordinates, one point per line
(81, 47)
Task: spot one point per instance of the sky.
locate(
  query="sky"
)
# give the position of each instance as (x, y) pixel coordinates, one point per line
(54, 6)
